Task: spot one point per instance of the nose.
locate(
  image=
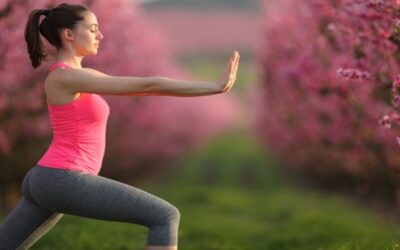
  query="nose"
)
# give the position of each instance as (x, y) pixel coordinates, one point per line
(100, 36)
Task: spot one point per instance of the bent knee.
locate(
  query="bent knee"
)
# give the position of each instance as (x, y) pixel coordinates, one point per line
(174, 214)
(170, 216)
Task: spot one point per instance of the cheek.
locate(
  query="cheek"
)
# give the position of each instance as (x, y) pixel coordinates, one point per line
(85, 36)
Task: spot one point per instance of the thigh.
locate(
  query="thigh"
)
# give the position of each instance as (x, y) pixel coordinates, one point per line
(26, 224)
(98, 197)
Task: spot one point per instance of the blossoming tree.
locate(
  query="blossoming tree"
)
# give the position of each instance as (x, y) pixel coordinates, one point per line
(329, 84)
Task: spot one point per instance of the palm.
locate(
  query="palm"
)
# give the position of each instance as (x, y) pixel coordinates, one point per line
(228, 77)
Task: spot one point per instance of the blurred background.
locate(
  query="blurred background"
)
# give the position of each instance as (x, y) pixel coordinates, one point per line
(302, 153)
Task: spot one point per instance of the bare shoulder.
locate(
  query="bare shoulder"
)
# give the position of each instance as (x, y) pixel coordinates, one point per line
(88, 80)
(53, 79)
(96, 72)
(54, 92)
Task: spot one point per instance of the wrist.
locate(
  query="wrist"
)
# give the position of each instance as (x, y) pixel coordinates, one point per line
(218, 89)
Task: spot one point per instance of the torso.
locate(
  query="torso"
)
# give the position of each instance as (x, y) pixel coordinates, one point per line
(79, 128)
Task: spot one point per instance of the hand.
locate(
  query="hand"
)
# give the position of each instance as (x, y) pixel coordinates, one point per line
(228, 77)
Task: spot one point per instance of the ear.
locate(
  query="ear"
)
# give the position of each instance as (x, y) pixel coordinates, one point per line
(67, 34)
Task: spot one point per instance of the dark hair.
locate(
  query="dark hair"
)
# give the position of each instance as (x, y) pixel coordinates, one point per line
(62, 16)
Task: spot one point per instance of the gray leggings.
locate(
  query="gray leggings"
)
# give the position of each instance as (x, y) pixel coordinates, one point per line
(49, 193)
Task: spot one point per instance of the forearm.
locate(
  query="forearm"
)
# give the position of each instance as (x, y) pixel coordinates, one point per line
(172, 87)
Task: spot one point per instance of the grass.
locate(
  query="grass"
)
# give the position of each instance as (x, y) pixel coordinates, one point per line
(233, 196)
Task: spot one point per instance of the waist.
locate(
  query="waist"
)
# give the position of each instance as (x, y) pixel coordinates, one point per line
(86, 158)
(53, 168)
(67, 167)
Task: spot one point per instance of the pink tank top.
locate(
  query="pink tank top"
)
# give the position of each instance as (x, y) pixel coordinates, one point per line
(79, 133)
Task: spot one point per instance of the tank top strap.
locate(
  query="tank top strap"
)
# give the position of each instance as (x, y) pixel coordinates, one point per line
(57, 65)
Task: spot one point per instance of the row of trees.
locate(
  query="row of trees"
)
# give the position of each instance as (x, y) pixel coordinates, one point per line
(144, 133)
(330, 90)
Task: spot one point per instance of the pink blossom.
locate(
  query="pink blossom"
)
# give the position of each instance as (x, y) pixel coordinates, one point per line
(330, 125)
(354, 74)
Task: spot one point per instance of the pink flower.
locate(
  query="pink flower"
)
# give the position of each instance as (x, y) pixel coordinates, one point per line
(354, 74)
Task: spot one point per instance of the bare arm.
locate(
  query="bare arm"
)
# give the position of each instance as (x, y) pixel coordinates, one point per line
(174, 87)
(93, 81)
(171, 87)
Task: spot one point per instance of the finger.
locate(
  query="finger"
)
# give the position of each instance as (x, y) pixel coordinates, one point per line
(230, 64)
(233, 69)
(236, 55)
(234, 63)
(231, 61)
(232, 57)
(231, 81)
(234, 73)
(237, 58)
(230, 85)
(227, 68)
(230, 69)
(237, 63)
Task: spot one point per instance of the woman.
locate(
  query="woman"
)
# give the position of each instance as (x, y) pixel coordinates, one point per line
(65, 180)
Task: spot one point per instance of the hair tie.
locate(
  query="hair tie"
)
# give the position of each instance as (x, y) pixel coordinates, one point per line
(46, 12)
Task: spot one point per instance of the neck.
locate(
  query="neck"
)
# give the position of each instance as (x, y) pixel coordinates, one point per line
(69, 59)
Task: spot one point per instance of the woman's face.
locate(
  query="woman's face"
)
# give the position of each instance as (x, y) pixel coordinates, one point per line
(86, 35)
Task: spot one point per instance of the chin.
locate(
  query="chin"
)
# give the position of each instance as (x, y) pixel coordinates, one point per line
(91, 53)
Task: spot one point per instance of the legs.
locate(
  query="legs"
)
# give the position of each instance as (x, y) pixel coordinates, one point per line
(49, 193)
(78, 193)
(26, 224)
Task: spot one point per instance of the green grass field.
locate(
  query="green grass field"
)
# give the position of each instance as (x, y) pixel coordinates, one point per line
(232, 196)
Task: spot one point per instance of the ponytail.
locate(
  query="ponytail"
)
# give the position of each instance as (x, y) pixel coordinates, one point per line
(35, 46)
